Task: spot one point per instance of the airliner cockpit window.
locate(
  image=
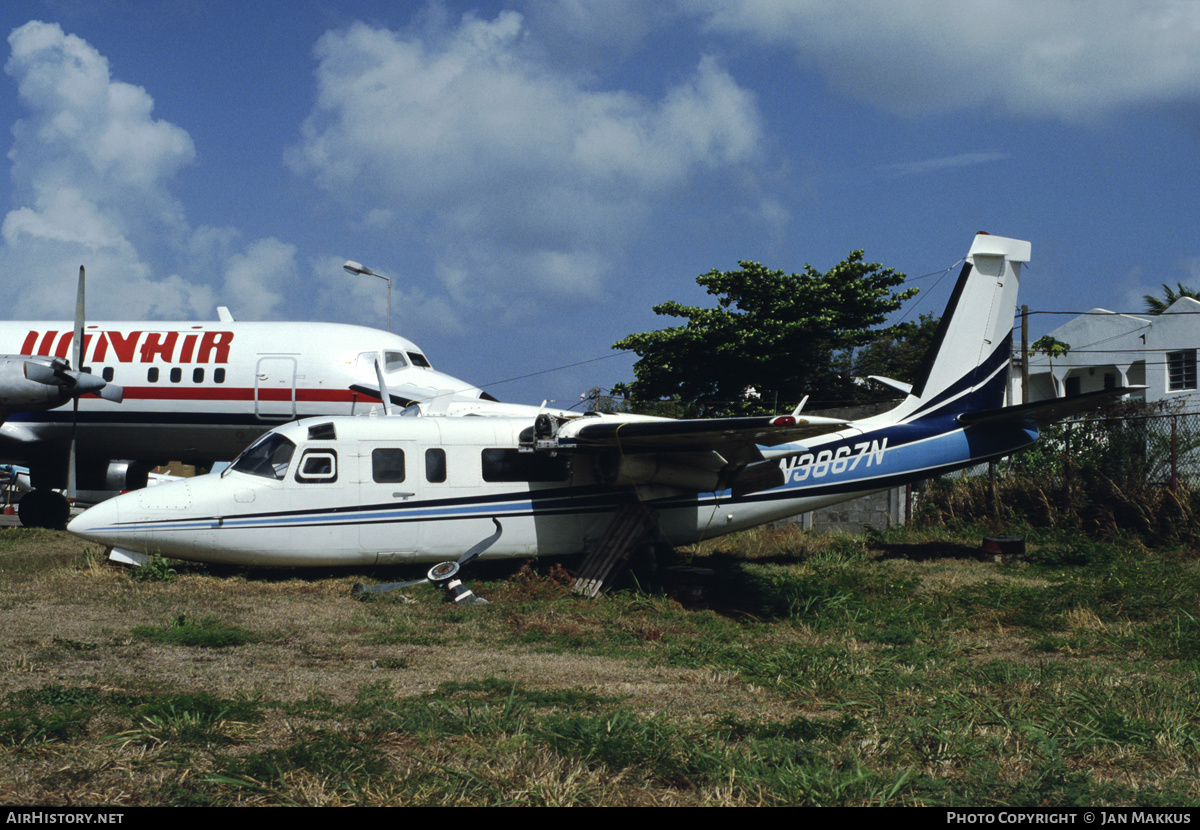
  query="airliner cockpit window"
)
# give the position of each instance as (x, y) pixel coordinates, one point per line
(419, 359)
(268, 457)
(394, 361)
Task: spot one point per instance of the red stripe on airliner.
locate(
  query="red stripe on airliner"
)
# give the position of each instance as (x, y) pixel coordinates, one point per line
(235, 393)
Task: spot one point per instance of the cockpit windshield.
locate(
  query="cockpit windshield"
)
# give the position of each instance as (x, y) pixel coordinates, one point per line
(394, 361)
(268, 457)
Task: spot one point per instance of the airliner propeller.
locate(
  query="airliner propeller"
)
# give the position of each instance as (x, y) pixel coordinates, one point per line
(58, 372)
(444, 575)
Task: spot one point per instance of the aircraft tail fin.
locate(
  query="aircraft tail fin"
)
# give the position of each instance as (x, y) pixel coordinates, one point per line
(967, 366)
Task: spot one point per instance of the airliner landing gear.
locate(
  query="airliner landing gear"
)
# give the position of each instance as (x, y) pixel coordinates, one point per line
(44, 508)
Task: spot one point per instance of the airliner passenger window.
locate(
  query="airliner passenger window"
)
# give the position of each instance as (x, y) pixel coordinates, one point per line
(218, 375)
(107, 374)
(152, 374)
(176, 375)
(197, 375)
(387, 465)
(268, 457)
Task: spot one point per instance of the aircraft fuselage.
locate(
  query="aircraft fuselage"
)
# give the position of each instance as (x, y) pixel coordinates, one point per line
(366, 491)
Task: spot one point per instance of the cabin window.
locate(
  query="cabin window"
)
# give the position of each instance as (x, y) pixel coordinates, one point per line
(107, 374)
(419, 359)
(1181, 370)
(176, 375)
(435, 465)
(218, 375)
(268, 457)
(514, 465)
(317, 467)
(322, 432)
(387, 465)
(152, 374)
(197, 375)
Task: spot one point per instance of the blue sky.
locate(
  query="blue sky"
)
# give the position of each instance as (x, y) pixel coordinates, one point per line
(536, 175)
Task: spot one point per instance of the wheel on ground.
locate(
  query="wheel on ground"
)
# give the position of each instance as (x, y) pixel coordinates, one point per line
(44, 508)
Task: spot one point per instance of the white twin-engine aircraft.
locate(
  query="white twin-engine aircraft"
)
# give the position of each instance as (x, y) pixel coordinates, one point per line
(366, 491)
(192, 392)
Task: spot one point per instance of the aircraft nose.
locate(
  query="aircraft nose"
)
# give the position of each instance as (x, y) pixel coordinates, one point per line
(98, 523)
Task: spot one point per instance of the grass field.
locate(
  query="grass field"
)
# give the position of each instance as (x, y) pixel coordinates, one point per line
(903, 669)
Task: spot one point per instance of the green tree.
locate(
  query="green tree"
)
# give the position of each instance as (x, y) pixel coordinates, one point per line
(1157, 305)
(772, 334)
(897, 352)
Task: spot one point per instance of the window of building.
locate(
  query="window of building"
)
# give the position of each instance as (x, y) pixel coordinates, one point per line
(1181, 370)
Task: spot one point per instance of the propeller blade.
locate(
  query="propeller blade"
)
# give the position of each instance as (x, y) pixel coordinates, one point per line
(77, 339)
(444, 575)
(359, 589)
(112, 392)
(82, 383)
(480, 547)
(385, 396)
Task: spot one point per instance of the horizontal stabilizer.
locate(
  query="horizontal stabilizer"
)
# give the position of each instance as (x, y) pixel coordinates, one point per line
(1044, 413)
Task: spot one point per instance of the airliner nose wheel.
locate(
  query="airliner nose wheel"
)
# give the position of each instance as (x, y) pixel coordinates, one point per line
(443, 575)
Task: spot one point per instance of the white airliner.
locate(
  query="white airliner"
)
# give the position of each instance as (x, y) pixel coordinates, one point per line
(365, 491)
(193, 392)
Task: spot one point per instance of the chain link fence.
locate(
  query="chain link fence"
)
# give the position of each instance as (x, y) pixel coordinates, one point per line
(1133, 469)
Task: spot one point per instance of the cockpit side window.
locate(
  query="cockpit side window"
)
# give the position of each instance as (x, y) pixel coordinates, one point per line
(419, 359)
(268, 457)
(394, 361)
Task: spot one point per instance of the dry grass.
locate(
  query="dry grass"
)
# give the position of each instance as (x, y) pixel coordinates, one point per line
(904, 670)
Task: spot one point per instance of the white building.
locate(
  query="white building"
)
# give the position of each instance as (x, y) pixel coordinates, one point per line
(1110, 350)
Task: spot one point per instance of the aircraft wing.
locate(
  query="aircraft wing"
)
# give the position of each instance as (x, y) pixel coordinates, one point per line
(666, 435)
(705, 455)
(1044, 413)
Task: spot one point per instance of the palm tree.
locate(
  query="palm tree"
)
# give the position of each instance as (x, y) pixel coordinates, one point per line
(1154, 305)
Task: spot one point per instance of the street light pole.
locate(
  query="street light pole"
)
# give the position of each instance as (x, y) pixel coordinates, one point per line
(358, 268)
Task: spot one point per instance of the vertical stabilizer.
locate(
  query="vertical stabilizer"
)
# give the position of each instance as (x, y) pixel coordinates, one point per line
(967, 366)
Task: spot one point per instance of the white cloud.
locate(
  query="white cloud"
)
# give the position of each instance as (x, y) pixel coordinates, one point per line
(1074, 61)
(91, 170)
(945, 163)
(257, 279)
(525, 179)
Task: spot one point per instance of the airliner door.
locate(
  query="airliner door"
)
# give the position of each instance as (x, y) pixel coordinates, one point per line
(275, 388)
